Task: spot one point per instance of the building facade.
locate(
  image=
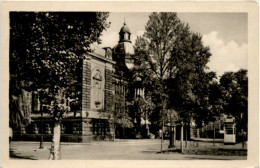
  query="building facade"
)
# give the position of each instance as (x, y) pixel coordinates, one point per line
(101, 76)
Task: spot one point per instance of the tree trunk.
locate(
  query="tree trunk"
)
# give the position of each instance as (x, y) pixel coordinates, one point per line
(171, 137)
(162, 136)
(123, 132)
(214, 134)
(41, 140)
(181, 144)
(55, 145)
(171, 133)
(174, 136)
(114, 127)
(243, 139)
(146, 125)
(138, 122)
(186, 136)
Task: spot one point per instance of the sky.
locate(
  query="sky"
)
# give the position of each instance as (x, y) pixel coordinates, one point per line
(226, 35)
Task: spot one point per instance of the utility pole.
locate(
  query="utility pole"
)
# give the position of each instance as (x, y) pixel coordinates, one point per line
(41, 109)
(174, 135)
(214, 133)
(181, 137)
(162, 136)
(243, 139)
(171, 132)
(242, 130)
(186, 135)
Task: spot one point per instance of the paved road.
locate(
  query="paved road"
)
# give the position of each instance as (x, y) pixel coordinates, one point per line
(108, 150)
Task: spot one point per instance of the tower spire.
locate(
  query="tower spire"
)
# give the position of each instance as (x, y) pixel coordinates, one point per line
(124, 34)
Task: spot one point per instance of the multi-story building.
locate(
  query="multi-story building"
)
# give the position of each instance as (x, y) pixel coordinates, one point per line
(101, 76)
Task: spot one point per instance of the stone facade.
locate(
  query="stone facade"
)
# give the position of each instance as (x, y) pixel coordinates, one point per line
(84, 123)
(97, 92)
(97, 84)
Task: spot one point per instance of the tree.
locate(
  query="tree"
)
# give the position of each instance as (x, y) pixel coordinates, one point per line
(45, 50)
(189, 86)
(216, 104)
(216, 101)
(235, 96)
(161, 31)
(153, 55)
(172, 61)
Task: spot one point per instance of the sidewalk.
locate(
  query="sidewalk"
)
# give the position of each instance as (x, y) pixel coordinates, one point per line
(112, 150)
(219, 143)
(208, 140)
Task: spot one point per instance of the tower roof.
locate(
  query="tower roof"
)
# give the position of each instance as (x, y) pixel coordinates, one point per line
(125, 29)
(125, 48)
(124, 45)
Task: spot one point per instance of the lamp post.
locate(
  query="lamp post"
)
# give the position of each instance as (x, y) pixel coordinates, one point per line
(162, 136)
(41, 142)
(172, 129)
(214, 133)
(41, 92)
(41, 109)
(181, 142)
(242, 130)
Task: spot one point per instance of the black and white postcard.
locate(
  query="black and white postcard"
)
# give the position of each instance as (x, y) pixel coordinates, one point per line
(129, 84)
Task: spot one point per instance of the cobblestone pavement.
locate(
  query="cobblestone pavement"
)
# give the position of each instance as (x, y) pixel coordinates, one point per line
(117, 150)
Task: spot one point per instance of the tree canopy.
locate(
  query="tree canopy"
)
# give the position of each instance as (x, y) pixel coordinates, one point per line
(45, 51)
(171, 60)
(46, 46)
(235, 94)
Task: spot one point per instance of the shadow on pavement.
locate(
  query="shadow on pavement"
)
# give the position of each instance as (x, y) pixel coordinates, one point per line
(12, 155)
(170, 151)
(206, 158)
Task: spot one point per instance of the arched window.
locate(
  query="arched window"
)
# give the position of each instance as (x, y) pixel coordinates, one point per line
(97, 89)
(121, 37)
(126, 36)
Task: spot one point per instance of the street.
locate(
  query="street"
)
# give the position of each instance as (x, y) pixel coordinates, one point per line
(117, 150)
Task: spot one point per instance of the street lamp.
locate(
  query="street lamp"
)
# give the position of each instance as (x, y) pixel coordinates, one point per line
(41, 141)
(40, 96)
(181, 143)
(41, 92)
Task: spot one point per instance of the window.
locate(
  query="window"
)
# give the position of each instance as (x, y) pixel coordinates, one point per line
(126, 36)
(229, 129)
(97, 89)
(36, 102)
